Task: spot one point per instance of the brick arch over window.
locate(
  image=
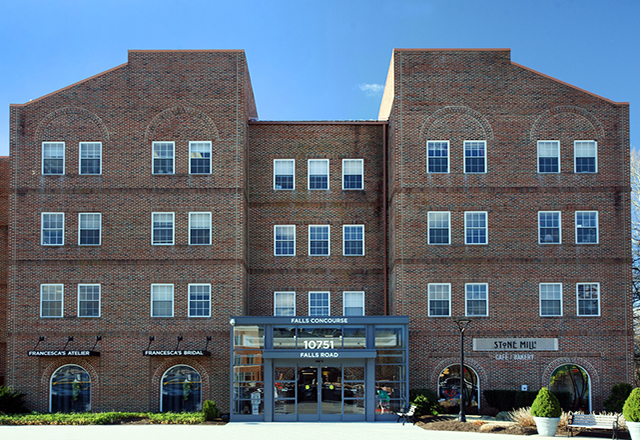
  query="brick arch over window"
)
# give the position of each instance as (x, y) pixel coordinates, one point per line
(468, 119)
(594, 388)
(79, 113)
(471, 363)
(582, 123)
(177, 115)
(162, 368)
(51, 367)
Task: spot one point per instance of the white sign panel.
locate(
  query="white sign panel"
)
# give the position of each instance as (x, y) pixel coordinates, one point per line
(515, 344)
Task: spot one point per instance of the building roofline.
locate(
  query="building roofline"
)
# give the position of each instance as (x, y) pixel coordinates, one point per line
(355, 122)
(453, 50)
(69, 86)
(185, 50)
(569, 85)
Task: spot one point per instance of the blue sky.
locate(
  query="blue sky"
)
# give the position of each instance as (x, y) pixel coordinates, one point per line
(317, 60)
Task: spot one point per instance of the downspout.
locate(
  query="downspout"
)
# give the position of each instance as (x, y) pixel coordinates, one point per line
(385, 251)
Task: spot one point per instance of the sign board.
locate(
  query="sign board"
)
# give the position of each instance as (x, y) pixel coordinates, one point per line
(176, 353)
(515, 344)
(63, 353)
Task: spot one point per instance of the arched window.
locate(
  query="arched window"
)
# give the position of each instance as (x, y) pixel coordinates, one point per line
(449, 389)
(574, 381)
(70, 389)
(181, 389)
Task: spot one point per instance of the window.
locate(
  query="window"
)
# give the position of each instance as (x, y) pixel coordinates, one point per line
(318, 173)
(319, 240)
(475, 157)
(476, 299)
(353, 303)
(162, 225)
(284, 240)
(52, 229)
(319, 304)
(475, 227)
(438, 225)
(199, 157)
(587, 227)
(162, 300)
(548, 156)
(163, 157)
(52, 158)
(588, 299)
(89, 227)
(199, 228)
(549, 231)
(585, 156)
(352, 174)
(90, 157)
(550, 299)
(51, 300)
(353, 240)
(284, 303)
(199, 300)
(89, 300)
(437, 156)
(283, 172)
(439, 299)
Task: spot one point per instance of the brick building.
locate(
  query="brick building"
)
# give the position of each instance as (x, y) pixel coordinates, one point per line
(165, 246)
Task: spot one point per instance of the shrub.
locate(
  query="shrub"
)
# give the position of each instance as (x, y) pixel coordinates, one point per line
(11, 402)
(210, 410)
(425, 400)
(546, 404)
(619, 394)
(631, 408)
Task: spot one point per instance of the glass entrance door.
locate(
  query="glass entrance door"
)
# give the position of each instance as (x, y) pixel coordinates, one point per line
(319, 393)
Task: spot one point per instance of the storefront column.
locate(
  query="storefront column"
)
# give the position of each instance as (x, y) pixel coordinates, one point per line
(370, 386)
(268, 390)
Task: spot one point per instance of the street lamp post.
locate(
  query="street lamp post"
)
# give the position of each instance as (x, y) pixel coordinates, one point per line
(462, 325)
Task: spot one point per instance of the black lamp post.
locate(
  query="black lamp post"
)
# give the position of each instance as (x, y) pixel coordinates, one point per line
(462, 325)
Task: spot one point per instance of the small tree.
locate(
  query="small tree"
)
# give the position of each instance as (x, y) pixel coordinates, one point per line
(619, 394)
(546, 405)
(210, 410)
(631, 408)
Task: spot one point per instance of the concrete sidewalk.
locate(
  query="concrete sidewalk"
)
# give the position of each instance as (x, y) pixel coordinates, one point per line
(246, 431)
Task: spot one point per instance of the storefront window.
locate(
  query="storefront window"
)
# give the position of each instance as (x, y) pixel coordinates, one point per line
(248, 336)
(449, 389)
(319, 338)
(389, 337)
(354, 337)
(573, 381)
(70, 390)
(181, 389)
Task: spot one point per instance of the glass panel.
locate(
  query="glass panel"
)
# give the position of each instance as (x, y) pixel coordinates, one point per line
(248, 336)
(391, 373)
(285, 406)
(308, 390)
(255, 407)
(354, 373)
(247, 373)
(331, 390)
(247, 390)
(354, 337)
(70, 390)
(353, 406)
(247, 357)
(353, 389)
(181, 389)
(389, 337)
(389, 357)
(574, 380)
(285, 382)
(319, 338)
(284, 337)
(449, 389)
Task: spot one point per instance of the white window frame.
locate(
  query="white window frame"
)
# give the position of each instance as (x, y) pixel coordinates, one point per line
(328, 228)
(153, 158)
(429, 299)
(278, 293)
(539, 156)
(173, 298)
(80, 229)
(199, 300)
(468, 228)
(575, 157)
(464, 148)
(173, 229)
(275, 241)
(547, 299)
(436, 157)
(64, 158)
(577, 227)
(192, 143)
(328, 302)
(293, 175)
(361, 161)
(80, 158)
(42, 243)
(559, 226)
(344, 241)
(210, 228)
(578, 299)
(429, 227)
(467, 299)
(309, 174)
(61, 300)
(360, 300)
(85, 300)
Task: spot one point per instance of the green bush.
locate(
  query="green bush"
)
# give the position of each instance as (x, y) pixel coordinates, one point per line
(546, 405)
(425, 400)
(210, 410)
(11, 402)
(631, 408)
(619, 394)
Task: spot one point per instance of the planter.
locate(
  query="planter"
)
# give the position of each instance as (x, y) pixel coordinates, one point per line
(547, 426)
(634, 430)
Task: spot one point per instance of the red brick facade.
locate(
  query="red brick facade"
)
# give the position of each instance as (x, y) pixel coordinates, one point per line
(183, 96)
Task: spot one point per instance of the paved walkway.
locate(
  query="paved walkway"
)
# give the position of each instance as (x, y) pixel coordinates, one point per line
(245, 431)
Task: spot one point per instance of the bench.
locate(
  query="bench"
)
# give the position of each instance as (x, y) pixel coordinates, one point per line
(407, 416)
(592, 421)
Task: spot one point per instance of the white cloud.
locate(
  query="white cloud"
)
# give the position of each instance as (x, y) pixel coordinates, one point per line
(371, 89)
